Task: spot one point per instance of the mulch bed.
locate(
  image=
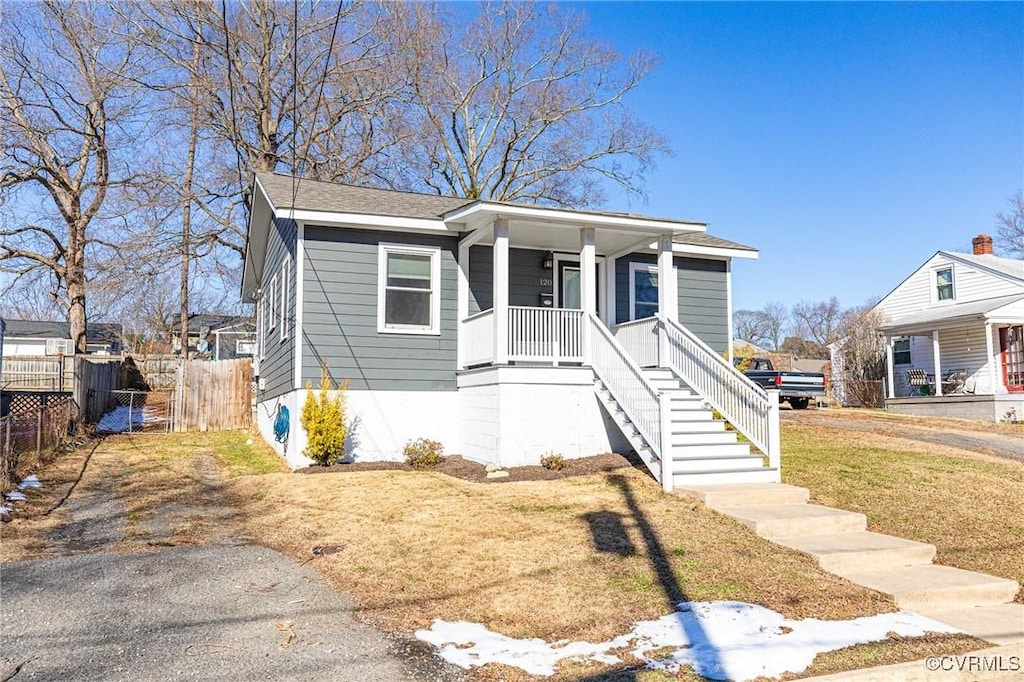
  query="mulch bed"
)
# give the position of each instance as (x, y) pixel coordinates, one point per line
(457, 467)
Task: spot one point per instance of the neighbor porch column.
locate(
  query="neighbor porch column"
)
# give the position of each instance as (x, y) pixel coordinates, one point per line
(938, 365)
(462, 304)
(500, 286)
(890, 387)
(993, 371)
(588, 271)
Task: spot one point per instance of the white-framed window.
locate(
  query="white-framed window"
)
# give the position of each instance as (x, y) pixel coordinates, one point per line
(261, 325)
(901, 351)
(944, 285)
(285, 272)
(408, 289)
(272, 304)
(643, 290)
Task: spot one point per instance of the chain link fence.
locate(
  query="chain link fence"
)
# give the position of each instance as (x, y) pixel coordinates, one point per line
(30, 438)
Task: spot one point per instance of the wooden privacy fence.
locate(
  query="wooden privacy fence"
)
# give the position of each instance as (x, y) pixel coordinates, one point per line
(213, 396)
(95, 382)
(29, 439)
(38, 373)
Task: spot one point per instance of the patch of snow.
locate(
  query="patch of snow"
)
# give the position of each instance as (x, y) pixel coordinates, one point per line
(16, 496)
(116, 421)
(720, 640)
(30, 481)
(4, 509)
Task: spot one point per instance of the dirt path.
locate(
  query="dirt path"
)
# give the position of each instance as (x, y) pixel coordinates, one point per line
(141, 576)
(986, 439)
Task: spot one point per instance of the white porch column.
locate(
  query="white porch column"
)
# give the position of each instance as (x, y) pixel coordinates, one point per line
(993, 371)
(938, 365)
(890, 387)
(668, 289)
(588, 271)
(462, 305)
(610, 310)
(500, 289)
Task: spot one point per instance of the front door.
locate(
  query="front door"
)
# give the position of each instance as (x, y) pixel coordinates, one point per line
(570, 287)
(1011, 352)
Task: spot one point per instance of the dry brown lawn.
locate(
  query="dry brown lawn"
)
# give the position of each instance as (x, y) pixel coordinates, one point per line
(970, 506)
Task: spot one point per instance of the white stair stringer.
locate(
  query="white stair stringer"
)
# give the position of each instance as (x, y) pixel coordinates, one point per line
(700, 451)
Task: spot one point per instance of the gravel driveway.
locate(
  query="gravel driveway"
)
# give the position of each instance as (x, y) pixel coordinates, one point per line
(994, 444)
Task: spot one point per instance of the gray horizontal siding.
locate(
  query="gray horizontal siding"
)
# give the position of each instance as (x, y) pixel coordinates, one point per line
(703, 295)
(339, 322)
(277, 366)
(525, 272)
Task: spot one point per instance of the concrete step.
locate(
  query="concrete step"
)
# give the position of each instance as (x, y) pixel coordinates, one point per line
(753, 476)
(682, 465)
(1002, 624)
(848, 552)
(917, 588)
(717, 496)
(790, 520)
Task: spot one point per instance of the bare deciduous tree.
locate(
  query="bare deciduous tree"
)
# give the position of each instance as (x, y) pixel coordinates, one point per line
(70, 103)
(861, 363)
(1011, 227)
(820, 319)
(518, 104)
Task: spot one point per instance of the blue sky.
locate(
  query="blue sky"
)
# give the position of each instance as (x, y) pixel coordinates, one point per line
(847, 141)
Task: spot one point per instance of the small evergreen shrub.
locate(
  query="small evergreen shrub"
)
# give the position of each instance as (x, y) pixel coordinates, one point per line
(323, 418)
(553, 461)
(423, 453)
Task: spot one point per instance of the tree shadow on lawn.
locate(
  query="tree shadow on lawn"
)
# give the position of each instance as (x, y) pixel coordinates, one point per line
(609, 534)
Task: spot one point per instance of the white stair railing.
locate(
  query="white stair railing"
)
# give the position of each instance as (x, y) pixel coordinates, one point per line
(753, 411)
(636, 396)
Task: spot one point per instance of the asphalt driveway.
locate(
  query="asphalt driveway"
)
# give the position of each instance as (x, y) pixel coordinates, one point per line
(223, 612)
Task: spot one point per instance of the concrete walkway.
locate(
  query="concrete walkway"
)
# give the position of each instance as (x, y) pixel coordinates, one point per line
(975, 603)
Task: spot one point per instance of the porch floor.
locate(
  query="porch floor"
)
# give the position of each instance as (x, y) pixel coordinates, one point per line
(992, 408)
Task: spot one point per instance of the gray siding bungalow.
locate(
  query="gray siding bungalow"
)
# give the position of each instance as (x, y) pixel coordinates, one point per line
(504, 331)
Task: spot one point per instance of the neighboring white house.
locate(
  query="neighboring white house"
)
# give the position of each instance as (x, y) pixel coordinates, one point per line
(504, 331)
(26, 338)
(957, 321)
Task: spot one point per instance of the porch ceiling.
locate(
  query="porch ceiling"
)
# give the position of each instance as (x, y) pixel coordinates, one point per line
(549, 237)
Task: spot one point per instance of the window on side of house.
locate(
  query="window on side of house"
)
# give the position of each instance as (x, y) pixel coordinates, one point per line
(285, 272)
(643, 290)
(272, 304)
(901, 352)
(408, 289)
(944, 284)
(261, 326)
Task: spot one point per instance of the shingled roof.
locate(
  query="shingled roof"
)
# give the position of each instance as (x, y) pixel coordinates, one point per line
(317, 195)
(705, 239)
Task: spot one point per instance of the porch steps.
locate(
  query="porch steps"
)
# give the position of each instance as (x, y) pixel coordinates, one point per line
(975, 603)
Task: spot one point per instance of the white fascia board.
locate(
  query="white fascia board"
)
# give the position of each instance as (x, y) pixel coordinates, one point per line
(534, 213)
(258, 220)
(716, 251)
(981, 266)
(376, 222)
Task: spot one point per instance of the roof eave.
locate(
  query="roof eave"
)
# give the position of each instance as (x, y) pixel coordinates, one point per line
(483, 211)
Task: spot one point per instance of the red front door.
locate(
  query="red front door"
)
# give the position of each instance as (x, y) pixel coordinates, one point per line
(1011, 351)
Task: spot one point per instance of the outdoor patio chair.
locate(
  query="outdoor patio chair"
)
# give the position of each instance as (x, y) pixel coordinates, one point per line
(954, 381)
(919, 383)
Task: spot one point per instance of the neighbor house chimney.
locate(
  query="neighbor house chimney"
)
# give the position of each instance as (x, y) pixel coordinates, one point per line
(982, 245)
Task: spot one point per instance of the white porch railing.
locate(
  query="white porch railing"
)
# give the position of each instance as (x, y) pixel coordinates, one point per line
(640, 339)
(478, 339)
(748, 407)
(545, 334)
(624, 379)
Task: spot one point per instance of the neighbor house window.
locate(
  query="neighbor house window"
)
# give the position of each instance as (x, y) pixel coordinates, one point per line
(901, 352)
(944, 284)
(408, 289)
(643, 290)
